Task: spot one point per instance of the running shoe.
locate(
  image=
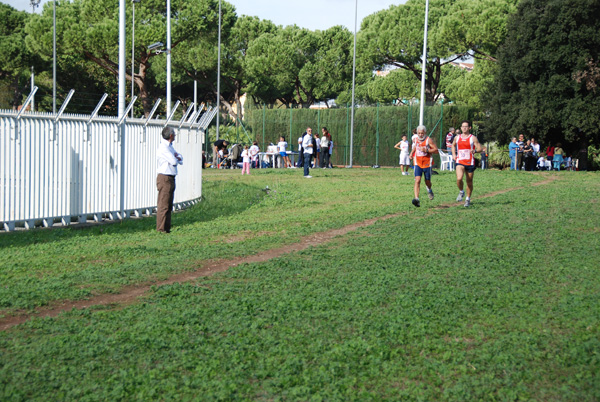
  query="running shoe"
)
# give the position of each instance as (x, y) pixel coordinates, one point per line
(416, 202)
(308, 177)
(430, 194)
(461, 194)
(467, 203)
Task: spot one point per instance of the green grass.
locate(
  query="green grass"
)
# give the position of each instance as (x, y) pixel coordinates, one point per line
(497, 302)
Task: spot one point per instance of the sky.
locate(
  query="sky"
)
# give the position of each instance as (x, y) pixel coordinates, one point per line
(311, 14)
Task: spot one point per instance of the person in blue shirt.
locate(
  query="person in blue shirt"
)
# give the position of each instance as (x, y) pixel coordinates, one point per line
(512, 152)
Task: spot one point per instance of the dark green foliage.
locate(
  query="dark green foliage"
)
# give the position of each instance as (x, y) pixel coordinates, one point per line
(546, 85)
(394, 121)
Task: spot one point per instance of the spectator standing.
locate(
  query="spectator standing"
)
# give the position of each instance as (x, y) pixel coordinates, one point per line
(325, 140)
(330, 165)
(404, 155)
(282, 148)
(550, 152)
(484, 159)
(317, 155)
(301, 150)
(167, 160)
(512, 152)
(528, 156)
(521, 144)
(254, 151)
(246, 160)
(558, 156)
(449, 139)
(307, 146)
(536, 148)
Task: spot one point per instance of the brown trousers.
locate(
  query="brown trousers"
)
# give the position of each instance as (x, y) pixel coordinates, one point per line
(166, 191)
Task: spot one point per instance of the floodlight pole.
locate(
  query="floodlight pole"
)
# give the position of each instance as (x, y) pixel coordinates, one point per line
(122, 59)
(133, 49)
(168, 56)
(34, 4)
(54, 59)
(219, 74)
(353, 83)
(424, 64)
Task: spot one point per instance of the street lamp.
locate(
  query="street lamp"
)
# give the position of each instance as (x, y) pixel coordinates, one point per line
(133, 48)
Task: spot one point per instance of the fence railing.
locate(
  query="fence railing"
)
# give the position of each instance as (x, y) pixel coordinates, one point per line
(79, 167)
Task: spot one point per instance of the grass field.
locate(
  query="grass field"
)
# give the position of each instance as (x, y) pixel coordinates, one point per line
(500, 301)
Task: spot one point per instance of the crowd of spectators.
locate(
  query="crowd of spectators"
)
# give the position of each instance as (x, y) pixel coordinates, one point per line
(527, 155)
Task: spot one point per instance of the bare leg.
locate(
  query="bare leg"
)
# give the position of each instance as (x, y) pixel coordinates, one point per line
(470, 184)
(460, 171)
(417, 186)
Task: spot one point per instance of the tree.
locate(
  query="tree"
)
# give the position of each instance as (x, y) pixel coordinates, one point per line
(89, 29)
(456, 29)
(546, 84)
(295, 65)
(15, 59)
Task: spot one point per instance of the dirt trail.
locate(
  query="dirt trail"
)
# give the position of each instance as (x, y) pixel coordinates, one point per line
(130, 294)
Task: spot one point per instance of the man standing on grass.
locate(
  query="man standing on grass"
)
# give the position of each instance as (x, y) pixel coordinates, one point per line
(463, 148)
(521, 144)
(422, 152)
(307, 146)
(167, 160)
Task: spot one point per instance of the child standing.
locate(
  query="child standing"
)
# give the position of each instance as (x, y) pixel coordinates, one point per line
(404, 155)
(281, 147)
(246, 160)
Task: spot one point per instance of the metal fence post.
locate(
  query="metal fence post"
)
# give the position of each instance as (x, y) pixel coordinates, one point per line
(377, 138)
(442, 123)
(347, 127)
(263, 121)
(291, 119)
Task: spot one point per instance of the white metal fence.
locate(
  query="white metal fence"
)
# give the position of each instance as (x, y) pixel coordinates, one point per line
(79, 168)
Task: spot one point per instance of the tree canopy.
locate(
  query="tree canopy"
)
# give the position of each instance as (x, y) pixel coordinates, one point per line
(456, 29)
(547, 78)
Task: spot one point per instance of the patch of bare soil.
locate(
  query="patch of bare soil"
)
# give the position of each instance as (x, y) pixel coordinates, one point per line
(130, 294)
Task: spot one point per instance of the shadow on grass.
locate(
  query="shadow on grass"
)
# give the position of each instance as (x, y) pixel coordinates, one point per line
(219, 199)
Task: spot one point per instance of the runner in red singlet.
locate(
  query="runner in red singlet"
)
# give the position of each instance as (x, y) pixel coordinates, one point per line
(463, 148)
(422, 151)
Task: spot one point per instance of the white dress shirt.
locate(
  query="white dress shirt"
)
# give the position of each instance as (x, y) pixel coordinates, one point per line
(167, 158)
(305, 144)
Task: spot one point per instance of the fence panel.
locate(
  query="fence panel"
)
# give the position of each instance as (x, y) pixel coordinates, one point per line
(74, 169)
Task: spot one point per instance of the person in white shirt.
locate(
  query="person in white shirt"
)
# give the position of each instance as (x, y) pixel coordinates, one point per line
(282, 148)
(307, 146)
(316, 155)
(404, 155)
(254, 150)
(246, 160)
(167, 160)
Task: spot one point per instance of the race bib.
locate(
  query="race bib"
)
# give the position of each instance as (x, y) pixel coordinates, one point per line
(464, 154)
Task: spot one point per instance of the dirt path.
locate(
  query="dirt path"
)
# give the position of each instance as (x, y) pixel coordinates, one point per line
(130, 294)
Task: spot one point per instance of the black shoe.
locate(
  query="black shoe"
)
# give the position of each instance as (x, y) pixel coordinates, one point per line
(416, 202)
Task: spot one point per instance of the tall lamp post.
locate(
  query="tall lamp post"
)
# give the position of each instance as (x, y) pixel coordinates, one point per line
(133, 48)
(34, 4)
(168, 57)
(424, 64)
(219, 72)
(54, 59)
(353, 83)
